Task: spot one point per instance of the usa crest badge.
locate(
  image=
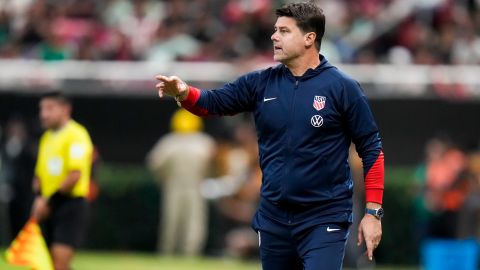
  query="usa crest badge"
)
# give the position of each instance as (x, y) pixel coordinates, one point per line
(319, 102)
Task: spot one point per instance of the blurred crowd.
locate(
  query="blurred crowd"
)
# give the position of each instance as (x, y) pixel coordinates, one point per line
(366, 31)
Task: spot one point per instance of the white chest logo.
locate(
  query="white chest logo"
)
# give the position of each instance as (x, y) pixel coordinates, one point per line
(77, 151)
(316, 121)
(55, 166)
(319, 102)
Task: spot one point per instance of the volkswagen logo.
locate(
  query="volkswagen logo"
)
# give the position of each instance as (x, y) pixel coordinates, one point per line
(316, 121)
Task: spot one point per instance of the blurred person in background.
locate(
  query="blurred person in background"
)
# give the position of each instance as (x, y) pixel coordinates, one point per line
(446, 189)
(17, 161)
(235, 194)
(469, 212)
(240, 207)
(307, 113)
(62, 176)
(449, 208)
(434, 149)
(180, 161)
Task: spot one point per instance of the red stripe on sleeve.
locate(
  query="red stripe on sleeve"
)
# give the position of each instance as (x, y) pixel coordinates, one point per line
(190, 102)
(374, 181)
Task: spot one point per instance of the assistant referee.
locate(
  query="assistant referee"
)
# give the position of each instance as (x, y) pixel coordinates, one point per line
(62, 176)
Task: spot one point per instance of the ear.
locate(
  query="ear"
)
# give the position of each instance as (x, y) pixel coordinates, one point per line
(310, 39)
(67, 108)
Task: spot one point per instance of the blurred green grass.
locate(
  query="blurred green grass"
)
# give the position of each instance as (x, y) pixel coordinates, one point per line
(147, 261)
(139, 261)
(127, 261)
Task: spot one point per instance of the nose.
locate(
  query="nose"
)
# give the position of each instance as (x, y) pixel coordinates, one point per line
(274, 36)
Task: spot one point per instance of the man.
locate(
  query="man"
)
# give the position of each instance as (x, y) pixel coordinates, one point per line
(17, 160)
(184, 210)
(306, 113)
(61, 179)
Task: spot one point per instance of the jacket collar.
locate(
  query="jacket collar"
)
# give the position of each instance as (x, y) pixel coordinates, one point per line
(324, 64)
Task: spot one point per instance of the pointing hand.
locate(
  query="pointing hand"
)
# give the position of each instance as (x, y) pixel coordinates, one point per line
(171, 86)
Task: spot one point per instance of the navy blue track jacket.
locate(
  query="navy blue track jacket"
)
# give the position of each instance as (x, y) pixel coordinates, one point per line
(305, 126)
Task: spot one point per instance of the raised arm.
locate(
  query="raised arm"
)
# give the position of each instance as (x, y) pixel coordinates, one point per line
(232, 98)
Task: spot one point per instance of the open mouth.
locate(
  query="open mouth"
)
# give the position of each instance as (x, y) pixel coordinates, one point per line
(277, 48)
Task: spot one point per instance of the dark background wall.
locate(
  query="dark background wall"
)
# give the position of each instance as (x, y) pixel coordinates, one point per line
(125, 128)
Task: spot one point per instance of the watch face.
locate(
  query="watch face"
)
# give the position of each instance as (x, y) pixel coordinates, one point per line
(380, 212)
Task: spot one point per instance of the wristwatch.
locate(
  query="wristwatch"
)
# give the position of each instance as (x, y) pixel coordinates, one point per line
(177, 99)
(378, 213)
(179, 96)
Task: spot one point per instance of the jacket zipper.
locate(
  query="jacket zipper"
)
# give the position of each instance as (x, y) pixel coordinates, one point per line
(289, 137)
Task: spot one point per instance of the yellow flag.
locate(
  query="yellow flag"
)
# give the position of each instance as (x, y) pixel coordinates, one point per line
(29, 249)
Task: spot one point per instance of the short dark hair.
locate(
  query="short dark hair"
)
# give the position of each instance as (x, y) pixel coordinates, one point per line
(58, 96)
(309, 18)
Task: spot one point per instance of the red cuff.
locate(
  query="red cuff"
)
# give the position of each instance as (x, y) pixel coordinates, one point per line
(192, 97)
(190, 103)
(374, 195)
(374, 181)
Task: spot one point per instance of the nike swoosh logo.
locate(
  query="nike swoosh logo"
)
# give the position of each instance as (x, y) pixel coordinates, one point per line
(268, 99)
(332, 229)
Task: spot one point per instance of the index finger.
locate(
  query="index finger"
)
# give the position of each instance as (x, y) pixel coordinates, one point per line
(370, 249)
(162, 78)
